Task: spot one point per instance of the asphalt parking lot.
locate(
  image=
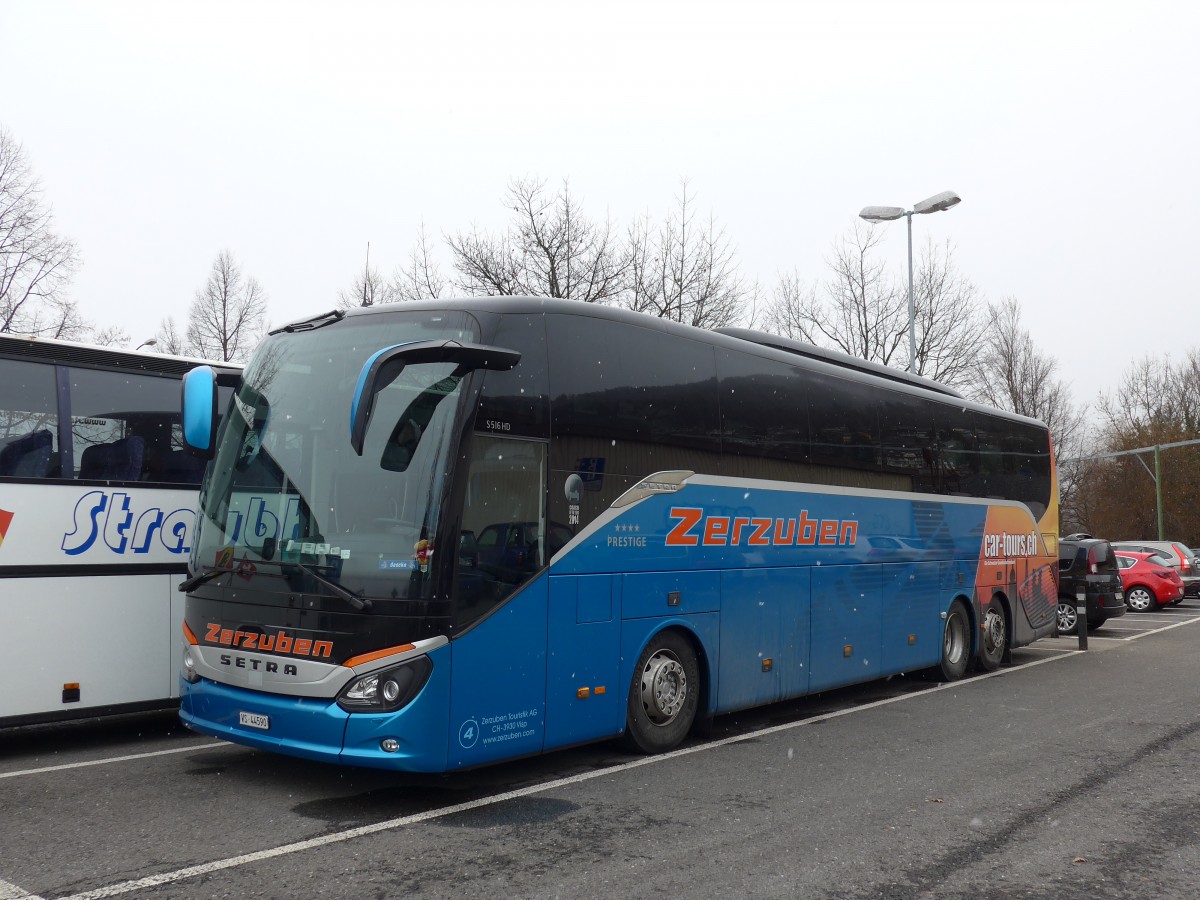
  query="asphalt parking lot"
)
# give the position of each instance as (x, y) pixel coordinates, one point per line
(886, 789)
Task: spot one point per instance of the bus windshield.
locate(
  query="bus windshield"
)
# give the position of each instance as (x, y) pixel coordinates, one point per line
(287, 488)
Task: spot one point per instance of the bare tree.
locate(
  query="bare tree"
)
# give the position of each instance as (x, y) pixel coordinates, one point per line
(111, 336)
(36, 264)
(369, 288)
(685, 270)
(1013, 374)
(950, 328)
(860, 310)
(226, 317)
(422, 278)
(551, 249)
(1154, 405)
(168, 339)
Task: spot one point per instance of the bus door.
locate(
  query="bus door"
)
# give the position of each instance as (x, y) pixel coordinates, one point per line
(498, 677)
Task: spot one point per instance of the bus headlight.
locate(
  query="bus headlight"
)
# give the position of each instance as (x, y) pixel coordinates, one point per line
(387, 690)
(189, 673)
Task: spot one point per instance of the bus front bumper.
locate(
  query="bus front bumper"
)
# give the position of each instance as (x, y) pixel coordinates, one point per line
(318, 730)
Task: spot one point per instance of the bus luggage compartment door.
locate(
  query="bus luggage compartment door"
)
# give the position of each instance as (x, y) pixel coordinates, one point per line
(847, 625)
(764, 636)
(584, 700)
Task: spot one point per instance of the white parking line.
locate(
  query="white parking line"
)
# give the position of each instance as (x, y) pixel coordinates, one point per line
(1166, 628)
(12, 892)
(151, 881)
(107, 760)
(126, 887)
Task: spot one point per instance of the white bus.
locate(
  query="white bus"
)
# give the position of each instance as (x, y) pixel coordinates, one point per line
(97, 510)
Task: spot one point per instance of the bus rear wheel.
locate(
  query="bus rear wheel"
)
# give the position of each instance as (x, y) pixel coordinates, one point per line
(993, 636)
(663, 694)
(956, 643)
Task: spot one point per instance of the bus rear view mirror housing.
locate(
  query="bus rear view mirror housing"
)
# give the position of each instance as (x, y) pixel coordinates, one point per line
(200, 415)
(385, 367)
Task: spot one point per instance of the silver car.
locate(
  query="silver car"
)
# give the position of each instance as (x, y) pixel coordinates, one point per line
(1183, 560)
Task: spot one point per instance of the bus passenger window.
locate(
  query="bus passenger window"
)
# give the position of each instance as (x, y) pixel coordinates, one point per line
(28, 420)
(125, 427)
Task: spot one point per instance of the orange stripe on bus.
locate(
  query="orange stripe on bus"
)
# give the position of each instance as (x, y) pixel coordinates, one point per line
(189, 635)
(377, 654)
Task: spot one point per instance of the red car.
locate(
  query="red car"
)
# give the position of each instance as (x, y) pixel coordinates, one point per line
(1150, 580)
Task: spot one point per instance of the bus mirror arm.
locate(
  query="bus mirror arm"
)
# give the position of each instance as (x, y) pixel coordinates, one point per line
(385, 367)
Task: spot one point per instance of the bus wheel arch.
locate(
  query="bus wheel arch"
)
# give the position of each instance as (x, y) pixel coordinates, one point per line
(664, 692)
(995, 633)
(957, 645)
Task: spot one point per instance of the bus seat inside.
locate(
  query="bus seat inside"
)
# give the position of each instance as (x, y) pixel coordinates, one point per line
(28, 456)
(182, 467)
(118, 461)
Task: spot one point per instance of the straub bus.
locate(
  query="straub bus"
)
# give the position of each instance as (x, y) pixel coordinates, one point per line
(437, 535)
(97, 507)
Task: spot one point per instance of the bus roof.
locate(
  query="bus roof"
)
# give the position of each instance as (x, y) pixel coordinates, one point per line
(68, 352)
(740, 339)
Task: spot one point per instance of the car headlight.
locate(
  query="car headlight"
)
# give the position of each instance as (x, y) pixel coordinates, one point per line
(388, 689)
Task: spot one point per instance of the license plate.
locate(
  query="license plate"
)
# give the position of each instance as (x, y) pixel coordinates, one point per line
(254, 720)
(1120, 596)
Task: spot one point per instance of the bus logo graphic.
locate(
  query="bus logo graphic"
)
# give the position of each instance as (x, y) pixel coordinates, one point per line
(693, 528)
(108, 516)
(5, 518)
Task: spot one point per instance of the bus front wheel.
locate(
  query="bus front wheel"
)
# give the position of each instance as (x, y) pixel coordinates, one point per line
(956, 643)
(663, 694)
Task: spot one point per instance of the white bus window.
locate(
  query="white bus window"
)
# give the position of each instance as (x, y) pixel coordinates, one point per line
(125, 426)
(28, 420)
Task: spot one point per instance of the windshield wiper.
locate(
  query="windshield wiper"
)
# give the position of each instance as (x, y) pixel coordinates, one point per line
(209, 573)
(355, 600)
(236, 567)
(334, 315)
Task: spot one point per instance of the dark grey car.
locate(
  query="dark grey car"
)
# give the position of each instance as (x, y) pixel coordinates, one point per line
(1090, 564)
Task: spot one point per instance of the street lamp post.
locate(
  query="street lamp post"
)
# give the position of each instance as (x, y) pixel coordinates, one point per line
(936, 203)
(149, 343)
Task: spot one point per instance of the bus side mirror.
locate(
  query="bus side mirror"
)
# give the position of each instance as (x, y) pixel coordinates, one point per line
(200, 411)
(385, 366)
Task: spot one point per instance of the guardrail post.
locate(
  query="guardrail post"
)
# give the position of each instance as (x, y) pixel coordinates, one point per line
(1081, 616)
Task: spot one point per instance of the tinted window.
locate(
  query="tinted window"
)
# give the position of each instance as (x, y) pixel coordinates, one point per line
(626, 402)
(764, 416)
(516, 402)
(908, 440)
(843, 419)
(957, 449)
(1024, 464)
(28, 420)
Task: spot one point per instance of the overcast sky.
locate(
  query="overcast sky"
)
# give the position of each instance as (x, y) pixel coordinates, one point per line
(293, 134)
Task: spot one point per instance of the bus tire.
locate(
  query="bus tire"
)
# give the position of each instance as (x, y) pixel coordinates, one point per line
(663, 694)
(956, 643)
(993, 636)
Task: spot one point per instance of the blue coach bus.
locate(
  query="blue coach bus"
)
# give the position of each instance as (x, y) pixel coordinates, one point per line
(438, 535)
